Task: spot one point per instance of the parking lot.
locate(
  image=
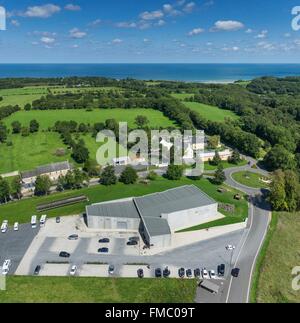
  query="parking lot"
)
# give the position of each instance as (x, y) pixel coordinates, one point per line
(53, 239)
(14, 244)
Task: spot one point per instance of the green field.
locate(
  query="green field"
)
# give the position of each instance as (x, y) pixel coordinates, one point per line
(182, 96)
(49, 117)
(281, 255)
(21, 96)
(22, 211)
(208, 166)
(63, 90)
(29, 152)
(250, 179)
(97, 290)
(210, 112)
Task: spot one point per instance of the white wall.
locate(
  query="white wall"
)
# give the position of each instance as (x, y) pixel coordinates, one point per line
(103, 223)
(162, 241)
(189, 218)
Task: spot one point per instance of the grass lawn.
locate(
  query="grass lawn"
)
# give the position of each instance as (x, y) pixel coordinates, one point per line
(22, 211)
(225, 164)
(210, 112)
(280, 257)
(21, 96)
(97, 290)
(49, 117)
(249, 179)
(29, 152)
(182, 96)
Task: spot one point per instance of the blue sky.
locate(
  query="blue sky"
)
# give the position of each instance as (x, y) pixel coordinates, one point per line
(138, 31)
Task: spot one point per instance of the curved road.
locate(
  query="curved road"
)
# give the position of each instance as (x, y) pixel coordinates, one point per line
(237, 290)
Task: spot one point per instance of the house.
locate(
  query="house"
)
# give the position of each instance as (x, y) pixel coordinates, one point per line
(54, 171)
(156, 216)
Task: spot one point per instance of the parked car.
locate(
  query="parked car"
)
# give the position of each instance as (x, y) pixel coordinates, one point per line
(132, 243)
(189, 273)
(16, 226)
(73, 237)
(197, 272)
(158, 273)
(104, 240)
(57, 220)
(103, 250)
(73, 270)
(37, 270)
(181, 272)
(230, 247)
(64, 254)
(166, 272)
(140, 273)
(111, 269)
(6, 267)
(212, 274)
(205, 274)
(235, 272)
(134, 239)
(221, 270)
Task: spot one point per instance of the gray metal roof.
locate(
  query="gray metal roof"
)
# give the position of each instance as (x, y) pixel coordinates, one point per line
(156, 226)
(46, 169)
(123, 209)
(173, 200)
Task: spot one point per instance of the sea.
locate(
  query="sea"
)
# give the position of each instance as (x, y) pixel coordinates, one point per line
(219, 73)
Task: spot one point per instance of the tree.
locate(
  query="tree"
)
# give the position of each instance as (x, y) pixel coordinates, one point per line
(141, 121)
(128, 176)
(16, 187)
(3, 132)
(92, 168)
(42, 185)
(4, 190)
(216, 160)
(152, 175)
(34, 126)
(219, 176)
(235, 158)
(16, 127)
(292, 189)
(174, 172)
(27, 107)
(80, 153)
(277, 195)
(25, 132)
(83, 128)
(213, 142)
(279, 158)
(108, 176)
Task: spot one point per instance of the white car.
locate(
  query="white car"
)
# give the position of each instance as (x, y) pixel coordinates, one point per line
(230, 247)
(6, 267)
(73, 270)
(205, 274)
(16, 226)
(212, 274)
(4, 226)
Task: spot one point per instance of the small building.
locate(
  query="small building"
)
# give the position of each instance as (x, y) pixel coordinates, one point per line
(54, 171)
(156, 216)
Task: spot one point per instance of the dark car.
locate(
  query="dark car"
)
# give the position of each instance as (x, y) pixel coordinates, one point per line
(181, 272)
(104, 240)
(140, 273)
(57, 219)
(73, 237)
(132, 243)
(37, 270)
(221, 270)
(134, 239)
(197, 272)
(103, 250)
(166, 272)
(64, 254)
(189, 273)
(235, 272)
(158, 273)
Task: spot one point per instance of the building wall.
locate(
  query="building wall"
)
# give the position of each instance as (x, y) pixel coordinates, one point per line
(162, 241)
(188, 218)
(111, 223)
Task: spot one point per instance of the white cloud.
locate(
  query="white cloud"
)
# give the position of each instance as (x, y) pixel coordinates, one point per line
(117, 41)
(47, 40)
(170, 10)
(44, 11)
(190, 7)
(227, 25)
(15, 23)
(151, 15)
(196, 31)
(262, 34)
(75, 46)
(287, 35)
(160, 23)
(249, 31)
(95, 23)
(125, 24)
(229, 49)
(72, 7)
(266, 45)
(76, 33)
(146, 40)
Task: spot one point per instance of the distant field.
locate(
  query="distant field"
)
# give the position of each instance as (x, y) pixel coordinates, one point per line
(210, 112)
(21, 96)
(49, 117)
(29, 152)
(97, 290)
(22, 211)
(62, 90)
(281, 256)
(182, 96)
